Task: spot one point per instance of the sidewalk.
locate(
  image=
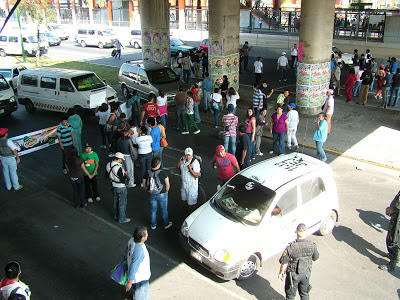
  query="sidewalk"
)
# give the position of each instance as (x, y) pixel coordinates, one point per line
(367, 133)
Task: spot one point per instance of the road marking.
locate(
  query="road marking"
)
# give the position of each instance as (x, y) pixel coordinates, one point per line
(183, 266)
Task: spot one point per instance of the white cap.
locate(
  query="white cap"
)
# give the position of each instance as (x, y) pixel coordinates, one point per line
(119, 155)
(283, 53)
(188, 151)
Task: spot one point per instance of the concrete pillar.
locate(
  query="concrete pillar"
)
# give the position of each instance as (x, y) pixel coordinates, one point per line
(155, 31)
(314, 68)
(58, 12)
(224, 41)
(90, 5)
(131, 19)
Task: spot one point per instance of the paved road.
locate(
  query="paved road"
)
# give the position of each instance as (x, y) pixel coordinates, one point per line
(67, 253)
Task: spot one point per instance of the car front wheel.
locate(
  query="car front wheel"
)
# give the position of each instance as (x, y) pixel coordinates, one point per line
(328, 224)
(30, 108)
(83, 44)
(249, 267)
(101, 46)
(125, 91)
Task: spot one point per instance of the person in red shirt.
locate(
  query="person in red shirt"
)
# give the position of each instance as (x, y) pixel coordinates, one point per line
(195, 89)
(226, 163)
(150, 109)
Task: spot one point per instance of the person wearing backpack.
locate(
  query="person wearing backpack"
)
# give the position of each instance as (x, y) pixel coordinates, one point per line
(189, 168)
(134, 102)
(156, 182)
(118, 177)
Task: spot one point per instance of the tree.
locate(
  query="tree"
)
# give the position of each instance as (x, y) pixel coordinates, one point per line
(40, 12)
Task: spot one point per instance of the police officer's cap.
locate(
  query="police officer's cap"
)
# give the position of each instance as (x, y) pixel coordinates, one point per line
(301, 228)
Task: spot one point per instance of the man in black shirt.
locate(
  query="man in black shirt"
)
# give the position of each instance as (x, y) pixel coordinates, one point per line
(366, 78)
(267, 91)
(243, 148)
(395, 95)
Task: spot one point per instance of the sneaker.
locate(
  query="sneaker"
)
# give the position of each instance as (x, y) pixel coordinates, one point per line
(296, 147)
(260, 154)
(111, 154)
(169, 225)
(153, 227)
(20, 187)
(197, 131)
(271, 152)
(103, 146)
(387, 267)
(98, 198)
(90, 200)
(290, 148)
(216, 126)
(280, 80)
(65, 172)
(126, 221)
(282, 154)
(185, 132)
(141, 185)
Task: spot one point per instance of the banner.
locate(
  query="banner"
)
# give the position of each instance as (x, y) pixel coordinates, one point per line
(37, 140)
(97, 99)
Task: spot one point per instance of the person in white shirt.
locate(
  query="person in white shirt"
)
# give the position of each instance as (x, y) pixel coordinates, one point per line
(231, 98)
(144, 141)
(103, 113)
(190, 172)
(282, 66)
(258, 70)
(294, 54)
(293, 120)
(11, 285)
(328, 109)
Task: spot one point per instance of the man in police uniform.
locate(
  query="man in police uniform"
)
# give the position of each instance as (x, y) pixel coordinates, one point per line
(392, 238)
(296, 260)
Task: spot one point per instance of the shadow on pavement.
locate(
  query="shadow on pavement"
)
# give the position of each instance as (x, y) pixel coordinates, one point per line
(345, 234)
(373, 219)
(260, 288)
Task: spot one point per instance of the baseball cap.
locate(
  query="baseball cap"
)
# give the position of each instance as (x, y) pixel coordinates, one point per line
(220, 148)
(188, 151)
(119, 155)
(88, 145)
(293, 105)
(283, 53)
(301, 228)
(3, 131)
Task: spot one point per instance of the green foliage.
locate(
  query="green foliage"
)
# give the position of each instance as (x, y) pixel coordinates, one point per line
(37, 11)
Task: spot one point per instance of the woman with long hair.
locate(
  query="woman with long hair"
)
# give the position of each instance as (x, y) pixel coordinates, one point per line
(251, 130)
(75, 166)
(144, 141)
(162, 107)
(231, 98)
(279, 127)
(349, 84)
(217, 104)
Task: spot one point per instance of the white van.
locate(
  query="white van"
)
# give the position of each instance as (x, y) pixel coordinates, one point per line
(60, 89)
(10, 43)
(91, 36)
(7, 98)
(255, 214)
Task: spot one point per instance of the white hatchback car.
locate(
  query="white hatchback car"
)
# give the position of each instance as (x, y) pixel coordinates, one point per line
(254, 215)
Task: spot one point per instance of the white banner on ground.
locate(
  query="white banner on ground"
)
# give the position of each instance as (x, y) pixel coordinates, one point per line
(36, 140)
(97, 99)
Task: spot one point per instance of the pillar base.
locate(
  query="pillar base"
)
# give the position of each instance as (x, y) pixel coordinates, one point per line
(310, 111)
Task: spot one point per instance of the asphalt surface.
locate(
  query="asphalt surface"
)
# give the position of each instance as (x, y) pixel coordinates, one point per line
(67, 253)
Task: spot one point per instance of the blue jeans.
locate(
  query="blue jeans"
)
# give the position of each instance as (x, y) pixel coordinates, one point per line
(356, 88)
(79, 191)
(253, 146)
(281, 138)
(120, 201)
(232, 139)
(257, 111)
(196, 112)
(234, 110)
(161, 199)
(164, 121)
(145, 162)
(320, 151)
(282, 73)
(394, 96)
(142, 290)
(186, 75)
(10, 172)
(206, 98)
(216, 115)
(371, 87)
(180, 116)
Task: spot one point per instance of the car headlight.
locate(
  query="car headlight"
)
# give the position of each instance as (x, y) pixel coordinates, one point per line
(222, 255)
(184, 229)
(12, 99)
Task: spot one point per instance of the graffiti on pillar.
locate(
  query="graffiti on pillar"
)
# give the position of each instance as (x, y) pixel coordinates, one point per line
(155, 45)
(312, 83)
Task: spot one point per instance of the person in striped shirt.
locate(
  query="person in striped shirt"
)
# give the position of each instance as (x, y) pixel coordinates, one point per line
(257, 100)
(66, 140)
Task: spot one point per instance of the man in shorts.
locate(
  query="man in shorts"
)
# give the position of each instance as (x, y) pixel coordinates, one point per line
(190, 172)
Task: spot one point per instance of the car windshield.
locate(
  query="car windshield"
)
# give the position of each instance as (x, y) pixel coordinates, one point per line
(6, 73)
(336, 50)
(160, 76)
(177, 42)
(244, 199)
(87, 82)
(49, 34)
(108, 32)
(33, 39)
(3, 84)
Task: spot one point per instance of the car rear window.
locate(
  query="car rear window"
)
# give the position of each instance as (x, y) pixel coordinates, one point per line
(161, 76)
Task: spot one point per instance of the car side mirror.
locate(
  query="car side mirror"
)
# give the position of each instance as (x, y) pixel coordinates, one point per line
(172, 45)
